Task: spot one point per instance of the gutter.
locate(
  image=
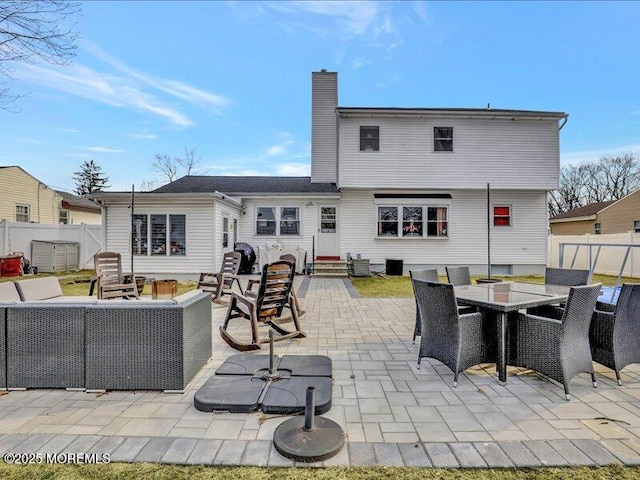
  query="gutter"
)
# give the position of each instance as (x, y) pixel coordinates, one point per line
(228, 199)
(584, 218)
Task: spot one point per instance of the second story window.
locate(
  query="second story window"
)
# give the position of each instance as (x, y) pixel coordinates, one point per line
(369, 139)
(64, 217)
(443, 139)
(22, 213)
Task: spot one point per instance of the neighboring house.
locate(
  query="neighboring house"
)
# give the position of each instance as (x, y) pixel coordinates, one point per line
(617, 216)
(24, 198)
(398, 183)
(75, 210)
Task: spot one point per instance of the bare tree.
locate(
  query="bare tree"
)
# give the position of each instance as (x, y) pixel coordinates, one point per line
(170, 167)
(609, 178)
(31, 31)
(148, 185)
(166, 166)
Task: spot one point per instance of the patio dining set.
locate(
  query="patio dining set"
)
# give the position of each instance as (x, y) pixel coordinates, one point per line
(556, 329)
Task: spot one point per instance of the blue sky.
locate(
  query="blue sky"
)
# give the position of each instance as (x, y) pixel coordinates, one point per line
(231, 80)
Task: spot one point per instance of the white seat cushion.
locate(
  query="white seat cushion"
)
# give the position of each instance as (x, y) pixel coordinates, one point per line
(39, 288)
(8, 292)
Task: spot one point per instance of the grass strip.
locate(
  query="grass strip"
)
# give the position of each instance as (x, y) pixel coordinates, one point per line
(132, 471)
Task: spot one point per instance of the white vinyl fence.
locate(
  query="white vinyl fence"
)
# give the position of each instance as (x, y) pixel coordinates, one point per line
(17, 236)
(608, 258)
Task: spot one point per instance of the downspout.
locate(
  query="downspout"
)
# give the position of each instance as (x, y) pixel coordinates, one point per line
(566, 119)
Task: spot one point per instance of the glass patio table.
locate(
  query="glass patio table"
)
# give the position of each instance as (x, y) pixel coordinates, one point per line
(505, 298)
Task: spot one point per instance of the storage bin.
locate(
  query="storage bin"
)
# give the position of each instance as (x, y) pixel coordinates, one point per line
(54, 256)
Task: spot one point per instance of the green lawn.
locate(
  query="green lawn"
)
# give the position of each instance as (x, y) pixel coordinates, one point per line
(153, 471)
(401, 286)
(77, 283)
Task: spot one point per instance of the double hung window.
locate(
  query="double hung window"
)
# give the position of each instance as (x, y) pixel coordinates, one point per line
(369, 139)
(22, 213)
(502, 215)
(63, 217)
(277, 221)
(443, 139)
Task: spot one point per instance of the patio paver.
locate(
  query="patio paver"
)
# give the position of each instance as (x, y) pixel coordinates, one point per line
(392, 413)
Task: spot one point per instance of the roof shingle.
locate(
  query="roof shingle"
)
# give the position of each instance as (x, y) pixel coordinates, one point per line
(245, 185)
(586, 211)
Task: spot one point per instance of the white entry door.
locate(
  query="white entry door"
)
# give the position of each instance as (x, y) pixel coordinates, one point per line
(328, 231)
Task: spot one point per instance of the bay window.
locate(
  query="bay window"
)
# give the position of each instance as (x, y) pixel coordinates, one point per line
(412, 221)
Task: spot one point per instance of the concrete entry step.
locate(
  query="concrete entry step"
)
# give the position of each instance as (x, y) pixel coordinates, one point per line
(330, 268)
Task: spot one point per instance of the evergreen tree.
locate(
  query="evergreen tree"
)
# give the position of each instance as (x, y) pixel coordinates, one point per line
(90, 178)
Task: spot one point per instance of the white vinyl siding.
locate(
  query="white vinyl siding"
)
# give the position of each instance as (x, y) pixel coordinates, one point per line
(324, 124)
(525, 243)
(202, 249)
(508, 154)
(308, 215)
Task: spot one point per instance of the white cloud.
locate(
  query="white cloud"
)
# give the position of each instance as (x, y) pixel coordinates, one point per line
(103, 149)
(124, 87)
(282, 148)
(144, 136)
(174, 88)
(104, 88)
(294, 169)
(593, 155)
(372, 21)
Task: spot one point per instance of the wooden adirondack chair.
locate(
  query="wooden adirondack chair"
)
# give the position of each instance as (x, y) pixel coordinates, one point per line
(273, 295)
(221, 283)
(110, 279)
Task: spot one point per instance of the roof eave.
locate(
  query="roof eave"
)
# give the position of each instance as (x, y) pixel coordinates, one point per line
(583, 218)
(346, 112)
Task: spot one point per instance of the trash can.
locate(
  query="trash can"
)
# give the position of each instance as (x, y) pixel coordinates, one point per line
(394, 266)
(11, 266)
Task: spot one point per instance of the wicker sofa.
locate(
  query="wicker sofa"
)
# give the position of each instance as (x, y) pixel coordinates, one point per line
(48, 340)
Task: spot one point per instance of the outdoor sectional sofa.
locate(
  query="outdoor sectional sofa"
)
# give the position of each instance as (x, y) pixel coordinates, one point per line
(48, 340)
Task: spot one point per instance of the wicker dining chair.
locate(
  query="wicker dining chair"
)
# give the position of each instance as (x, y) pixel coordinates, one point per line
(453, 339)
(221, 283)
(558, 349)
(458, 276)
(430, 275)
(560, 276)
(614, 335)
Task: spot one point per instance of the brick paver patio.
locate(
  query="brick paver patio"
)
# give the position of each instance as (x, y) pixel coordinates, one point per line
(392, 413)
